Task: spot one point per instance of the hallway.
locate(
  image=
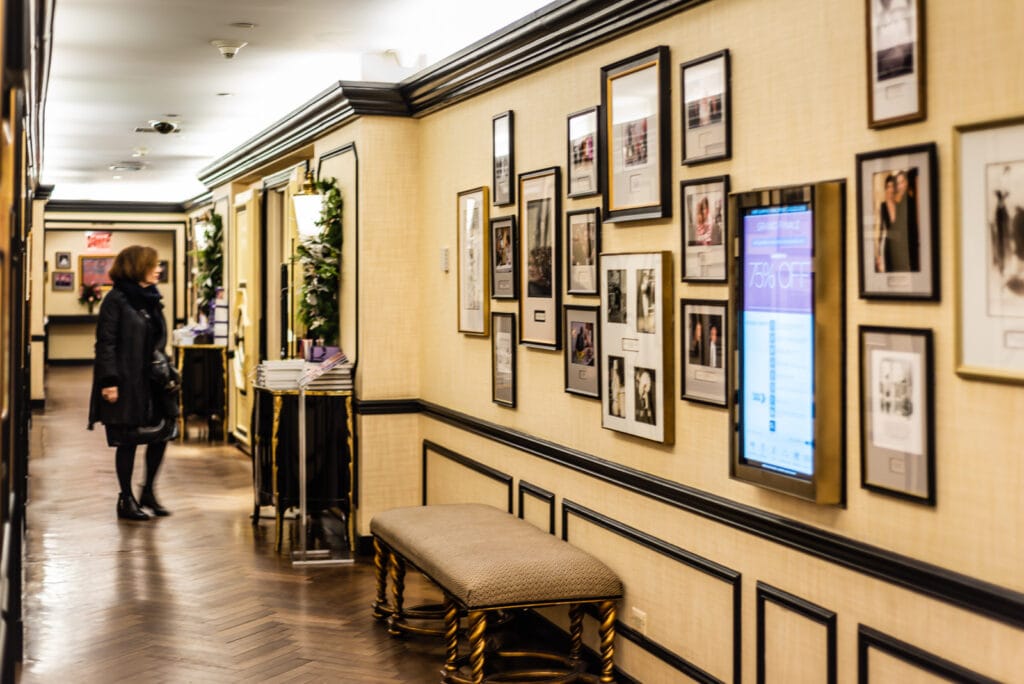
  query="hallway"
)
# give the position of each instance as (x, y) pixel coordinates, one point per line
(200, 596)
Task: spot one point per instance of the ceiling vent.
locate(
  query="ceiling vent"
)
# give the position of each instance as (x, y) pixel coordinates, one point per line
(161, 127)
(129, 165)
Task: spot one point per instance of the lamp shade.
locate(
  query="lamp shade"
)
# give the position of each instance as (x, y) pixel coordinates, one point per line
(307, 213)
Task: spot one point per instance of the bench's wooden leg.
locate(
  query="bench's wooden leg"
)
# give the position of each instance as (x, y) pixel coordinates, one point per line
(396, 569)
(575, 632)
(380, 567)
(606, 633)
(451, 635)
(477, 639)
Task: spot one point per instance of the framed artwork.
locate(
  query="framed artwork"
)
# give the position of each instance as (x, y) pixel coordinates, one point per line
(705, 206)
(990, 250)
(705, 356)
(897, 223)
(503, 359)
(636, 345)
(897, 412)
(584, 244)
(582, 351)
(583, 159)
(94, 269)
(540, 195)
(62, 261)
(707, 108)
(503, 158)
(896, 73)
(636, 134)
(164, 266)
(473, 250)
(504, 259)
(62, 281)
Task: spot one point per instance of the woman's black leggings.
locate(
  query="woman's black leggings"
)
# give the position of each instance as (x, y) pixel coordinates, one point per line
(125, 459)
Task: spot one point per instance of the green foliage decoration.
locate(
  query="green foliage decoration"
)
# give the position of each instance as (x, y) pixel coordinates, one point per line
(210, 265)
(320, 257)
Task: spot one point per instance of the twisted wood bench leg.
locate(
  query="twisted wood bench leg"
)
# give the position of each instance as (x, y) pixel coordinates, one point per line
(477, 639)
(396, 569)
(606, 634)
(451, 636)
(380, 567)
(575, 632)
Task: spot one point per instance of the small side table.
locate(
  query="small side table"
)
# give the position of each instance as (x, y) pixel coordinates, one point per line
(204, 383)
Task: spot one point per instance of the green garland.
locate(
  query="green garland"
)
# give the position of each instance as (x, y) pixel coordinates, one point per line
(320, 257)
(210, 265)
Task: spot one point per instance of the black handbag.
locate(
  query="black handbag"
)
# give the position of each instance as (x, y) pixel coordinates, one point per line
(163, 374)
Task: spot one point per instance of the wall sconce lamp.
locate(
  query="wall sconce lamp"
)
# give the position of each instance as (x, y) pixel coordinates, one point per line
(308, 204)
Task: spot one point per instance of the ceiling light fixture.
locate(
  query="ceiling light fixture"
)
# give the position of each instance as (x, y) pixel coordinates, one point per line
(228, 48)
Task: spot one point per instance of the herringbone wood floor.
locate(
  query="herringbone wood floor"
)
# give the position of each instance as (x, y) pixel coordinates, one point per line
(200, 596)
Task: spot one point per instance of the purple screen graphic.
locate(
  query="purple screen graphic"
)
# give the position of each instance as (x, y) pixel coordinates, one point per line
(777, 257)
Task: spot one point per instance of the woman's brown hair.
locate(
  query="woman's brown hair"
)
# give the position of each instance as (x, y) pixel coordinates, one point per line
(133, 263)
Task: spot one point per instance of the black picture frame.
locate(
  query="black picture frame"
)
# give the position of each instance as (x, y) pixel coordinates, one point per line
(540, 270)
(897, 412)
(705, 242)
(636, 175)
(583, 350)
(898, 223)
(704, 351)
(582, 248)
(62, 261)
(706, 106)
(504, 258)
(503, 155)
(584, 161)
(896, 59)
(503, 358)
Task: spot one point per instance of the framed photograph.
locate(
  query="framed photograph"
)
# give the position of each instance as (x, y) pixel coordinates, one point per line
(896, 51)
(94, 269)
(62, 261)
(583, 162)
(636, 345)
(707, 108)
(473, 250)
(503, 359)
(990, 250)
(582, 351)
(897, 412)
(62, 281)
(540, 209)
(705, 203)
(504, 258)
(705, 357)
(584, 240)
(636, 135)
(503, 158)
(897, 223)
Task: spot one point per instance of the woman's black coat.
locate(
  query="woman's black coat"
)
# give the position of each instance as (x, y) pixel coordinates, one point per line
(124, 354)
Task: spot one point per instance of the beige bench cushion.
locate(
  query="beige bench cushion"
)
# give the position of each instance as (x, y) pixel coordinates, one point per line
(486, 558)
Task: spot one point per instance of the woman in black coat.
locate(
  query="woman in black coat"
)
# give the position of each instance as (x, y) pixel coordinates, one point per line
(130, 334)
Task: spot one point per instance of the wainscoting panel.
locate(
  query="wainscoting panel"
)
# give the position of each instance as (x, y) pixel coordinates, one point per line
(882, 658)
(449, 477)
(537, 505)
(796, 639)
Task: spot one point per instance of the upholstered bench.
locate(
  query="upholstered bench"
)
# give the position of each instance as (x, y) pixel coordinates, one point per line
(485, 560)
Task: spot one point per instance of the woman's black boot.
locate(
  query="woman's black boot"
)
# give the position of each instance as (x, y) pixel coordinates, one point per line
(128, 508)
(148, 499)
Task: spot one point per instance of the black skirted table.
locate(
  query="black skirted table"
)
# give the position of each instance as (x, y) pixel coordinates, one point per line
(328, 453)
(204, 381)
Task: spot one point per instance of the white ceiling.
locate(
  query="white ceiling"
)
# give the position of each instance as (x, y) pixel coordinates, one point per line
(118, 64)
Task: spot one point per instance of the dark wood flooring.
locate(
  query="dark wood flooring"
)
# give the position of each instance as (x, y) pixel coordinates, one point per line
(200, 596)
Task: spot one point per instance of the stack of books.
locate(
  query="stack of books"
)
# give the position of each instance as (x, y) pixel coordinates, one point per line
(333, 373)
(277, 375)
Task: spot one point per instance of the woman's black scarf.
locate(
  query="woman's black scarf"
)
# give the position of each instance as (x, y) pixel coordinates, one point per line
(145, 298)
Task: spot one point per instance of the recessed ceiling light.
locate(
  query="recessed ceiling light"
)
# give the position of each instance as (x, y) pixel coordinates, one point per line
(116, 177)
(243, 25)
(127, 166)
(140, 152)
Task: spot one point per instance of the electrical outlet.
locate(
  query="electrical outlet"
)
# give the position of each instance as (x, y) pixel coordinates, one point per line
(639, 619)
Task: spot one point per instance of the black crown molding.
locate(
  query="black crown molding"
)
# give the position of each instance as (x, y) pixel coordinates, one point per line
(42, 192)
(555, 32)
(333, 107)
(114, 207)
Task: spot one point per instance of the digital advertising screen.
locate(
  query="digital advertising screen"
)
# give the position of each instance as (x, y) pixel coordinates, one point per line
(777, 352)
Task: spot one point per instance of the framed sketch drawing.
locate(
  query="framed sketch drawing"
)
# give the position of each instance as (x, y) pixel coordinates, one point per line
(705, 356)
(704, 204)
(62, 281)
(504, 259)
(94, 269)
(540, 195)
(636, 345)
(503, 158)
(62, 261)
(896, 64)
(582, 351)
(503, 359)
(584, 244)
(473, 256)
(707, 108)
(635, 107)
(582, 155)
(897, 412)
(897, 223)
(990, 250)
